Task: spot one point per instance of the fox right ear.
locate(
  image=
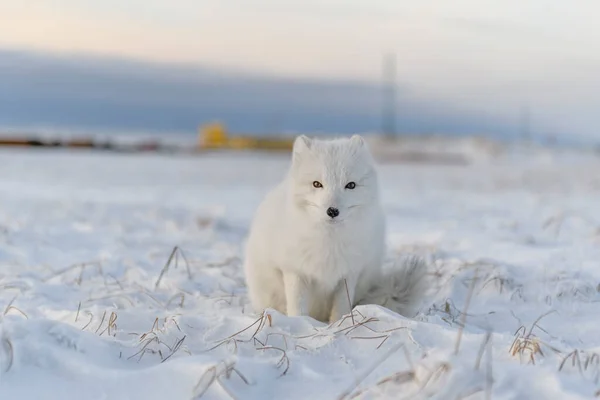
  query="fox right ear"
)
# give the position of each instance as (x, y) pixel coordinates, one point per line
(302, 144)
(357, 140)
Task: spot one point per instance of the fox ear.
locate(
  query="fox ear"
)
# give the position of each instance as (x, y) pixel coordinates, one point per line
(357, 141)
(302, 144)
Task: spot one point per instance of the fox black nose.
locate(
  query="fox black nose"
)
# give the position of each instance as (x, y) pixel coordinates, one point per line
(333, 212)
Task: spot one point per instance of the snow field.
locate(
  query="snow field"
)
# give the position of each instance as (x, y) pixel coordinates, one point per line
(120, 278)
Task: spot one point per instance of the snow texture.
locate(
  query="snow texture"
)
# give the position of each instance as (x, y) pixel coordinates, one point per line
(120, 278)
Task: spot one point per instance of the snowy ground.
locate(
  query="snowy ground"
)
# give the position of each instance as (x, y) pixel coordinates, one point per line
(87, 313)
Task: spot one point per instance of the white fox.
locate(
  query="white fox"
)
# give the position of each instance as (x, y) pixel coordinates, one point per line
(317, 242)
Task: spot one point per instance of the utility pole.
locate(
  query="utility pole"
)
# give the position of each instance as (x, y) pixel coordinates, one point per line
(388, 109)
(525, 123)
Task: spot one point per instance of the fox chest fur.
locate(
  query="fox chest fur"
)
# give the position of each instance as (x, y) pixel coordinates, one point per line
(326, 255)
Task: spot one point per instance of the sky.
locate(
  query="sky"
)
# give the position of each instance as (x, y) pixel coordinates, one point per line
(482, 62)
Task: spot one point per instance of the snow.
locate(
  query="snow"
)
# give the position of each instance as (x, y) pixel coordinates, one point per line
(84, 237)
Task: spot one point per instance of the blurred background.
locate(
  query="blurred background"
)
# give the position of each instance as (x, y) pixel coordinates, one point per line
(503, 70)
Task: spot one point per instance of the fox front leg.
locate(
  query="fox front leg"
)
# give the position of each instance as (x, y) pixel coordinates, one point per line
(343, 299)
(295, 294)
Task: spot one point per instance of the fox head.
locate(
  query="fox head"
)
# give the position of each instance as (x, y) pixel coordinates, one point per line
(333, 180)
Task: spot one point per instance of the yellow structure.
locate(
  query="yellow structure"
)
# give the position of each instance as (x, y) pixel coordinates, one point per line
(214, 136)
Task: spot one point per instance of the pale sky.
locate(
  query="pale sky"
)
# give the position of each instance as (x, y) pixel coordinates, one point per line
(492, 55)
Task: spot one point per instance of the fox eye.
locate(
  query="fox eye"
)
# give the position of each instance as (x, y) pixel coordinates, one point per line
(317, 184)
(350, 185)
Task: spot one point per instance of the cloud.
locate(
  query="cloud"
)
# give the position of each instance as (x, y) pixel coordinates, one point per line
(80, 91)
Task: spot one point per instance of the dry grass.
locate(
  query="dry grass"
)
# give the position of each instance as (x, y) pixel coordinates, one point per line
(151, 342)
(214, 375)
(110, 325)
(464, 314)
(587, 363)
(283, 361)
(418, 378)
(174, 259)
(527, 345)
(259, 338)
(81, 266)
(354, 326)
(348, 392)
(260, 322)
(426, 380)
(11, 307)
(8, 352)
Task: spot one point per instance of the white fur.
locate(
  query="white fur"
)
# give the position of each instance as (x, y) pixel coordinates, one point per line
(399, 288)
(300, 261)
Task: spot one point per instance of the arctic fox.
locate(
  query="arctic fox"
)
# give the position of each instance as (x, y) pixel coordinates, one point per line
(317, 241)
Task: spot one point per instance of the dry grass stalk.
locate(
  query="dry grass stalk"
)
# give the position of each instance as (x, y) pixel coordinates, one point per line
(261, 321)
(585, 362)
(81, 266)
(436, 374)
(10, 307)
(464, 314)
(349, 301)
(7, 310)
(111, 296)
(174, 256)
(489, 380)
(397, 378)
(152, 337)
(367, 372)
(10, 352)
(112, 319)
(89, 322)
(78, 310)
(213, 375)
(283, 360)
(175, 348)
(181, 297)
(482, 350)
(101, 322)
